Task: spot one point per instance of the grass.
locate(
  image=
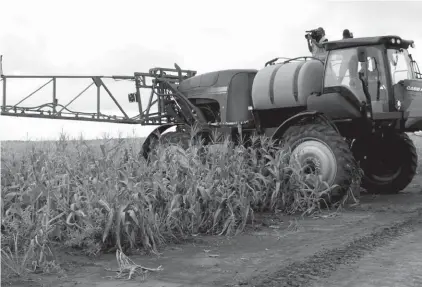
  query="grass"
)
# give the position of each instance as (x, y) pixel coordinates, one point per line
(99, 197)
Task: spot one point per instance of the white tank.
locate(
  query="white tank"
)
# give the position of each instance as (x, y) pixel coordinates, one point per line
(286, 85)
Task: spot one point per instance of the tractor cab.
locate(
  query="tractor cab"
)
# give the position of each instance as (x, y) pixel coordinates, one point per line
(377, 76)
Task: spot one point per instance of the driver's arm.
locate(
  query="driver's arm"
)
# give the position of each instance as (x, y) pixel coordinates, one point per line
(309, 45)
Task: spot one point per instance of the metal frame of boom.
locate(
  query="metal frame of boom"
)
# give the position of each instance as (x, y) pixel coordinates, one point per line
(173, 107)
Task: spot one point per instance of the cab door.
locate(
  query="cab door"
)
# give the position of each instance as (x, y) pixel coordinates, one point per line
(377, 80)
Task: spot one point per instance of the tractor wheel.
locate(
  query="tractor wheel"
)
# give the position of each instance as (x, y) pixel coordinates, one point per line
(323, 151)
(176, 138)
(389, 163)
(180, 137)
(173, 137)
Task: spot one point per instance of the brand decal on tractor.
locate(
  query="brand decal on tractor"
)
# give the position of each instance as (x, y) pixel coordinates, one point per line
(414, 89)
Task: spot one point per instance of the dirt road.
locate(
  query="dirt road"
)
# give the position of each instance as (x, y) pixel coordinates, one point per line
(387, 257)
(376, 243)
(398, 263)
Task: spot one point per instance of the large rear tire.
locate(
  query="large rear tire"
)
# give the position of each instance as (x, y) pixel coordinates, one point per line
(320, 146)
(389, 163)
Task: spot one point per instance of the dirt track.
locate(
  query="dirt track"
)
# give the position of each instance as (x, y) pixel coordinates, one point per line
(396, 264)
(370, 267)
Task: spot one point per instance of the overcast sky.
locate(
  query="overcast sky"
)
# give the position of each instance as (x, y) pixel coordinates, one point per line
(120, 37)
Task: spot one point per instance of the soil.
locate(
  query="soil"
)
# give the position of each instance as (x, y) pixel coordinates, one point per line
(374, 243)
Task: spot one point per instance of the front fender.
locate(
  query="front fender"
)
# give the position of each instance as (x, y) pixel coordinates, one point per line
(155, 134)
(304, 116)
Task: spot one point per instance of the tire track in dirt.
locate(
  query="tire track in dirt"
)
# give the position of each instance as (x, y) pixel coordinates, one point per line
(396, 264)
(323, 263)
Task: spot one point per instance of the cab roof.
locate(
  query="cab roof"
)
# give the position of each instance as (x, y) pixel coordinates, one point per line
(368, 41)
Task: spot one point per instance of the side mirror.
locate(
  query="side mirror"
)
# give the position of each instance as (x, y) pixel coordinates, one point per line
(362, 56)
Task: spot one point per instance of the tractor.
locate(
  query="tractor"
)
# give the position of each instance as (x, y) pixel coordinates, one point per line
(353, 109)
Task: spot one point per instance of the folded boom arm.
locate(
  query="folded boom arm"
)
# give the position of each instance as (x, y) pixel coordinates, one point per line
(170, 105)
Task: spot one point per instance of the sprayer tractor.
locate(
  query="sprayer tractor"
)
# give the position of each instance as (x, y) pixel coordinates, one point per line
(353, 109)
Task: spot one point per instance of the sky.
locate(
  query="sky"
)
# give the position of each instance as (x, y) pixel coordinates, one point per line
(122, 37)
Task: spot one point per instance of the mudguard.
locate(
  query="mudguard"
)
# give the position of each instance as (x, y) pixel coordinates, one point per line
(311, 115)
(155, 135)
(201, 132)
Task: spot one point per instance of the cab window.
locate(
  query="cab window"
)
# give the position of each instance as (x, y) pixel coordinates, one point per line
(343, 69)
(399, 65)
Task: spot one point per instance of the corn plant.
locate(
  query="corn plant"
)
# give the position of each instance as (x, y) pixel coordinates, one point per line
(101, 196)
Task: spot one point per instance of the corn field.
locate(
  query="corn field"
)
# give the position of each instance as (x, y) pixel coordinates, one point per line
(74, 194)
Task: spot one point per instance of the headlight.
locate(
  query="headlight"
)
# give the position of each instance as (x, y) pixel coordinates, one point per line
(393, 40)
(398, 41)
